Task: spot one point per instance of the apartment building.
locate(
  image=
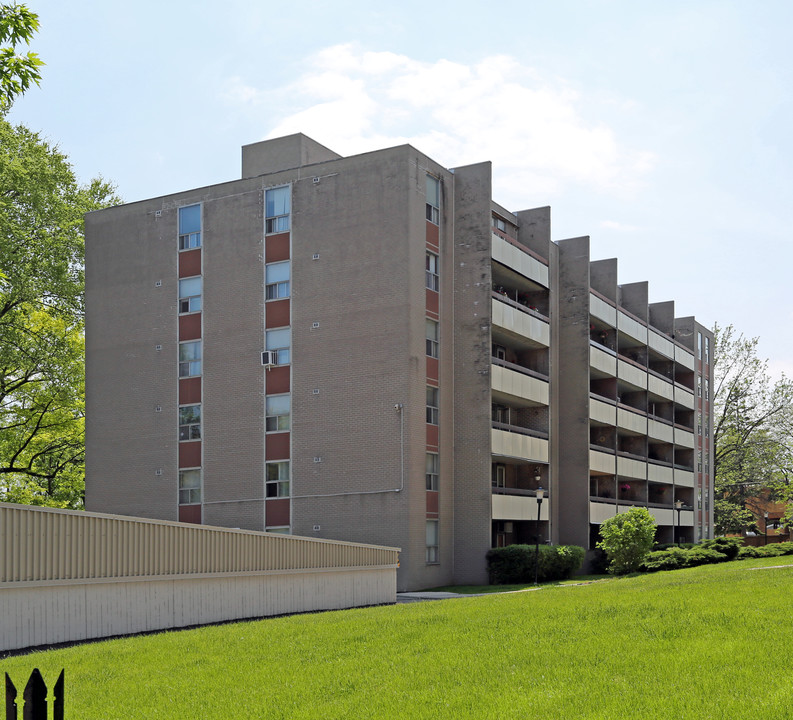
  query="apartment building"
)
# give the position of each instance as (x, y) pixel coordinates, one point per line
(369, 348)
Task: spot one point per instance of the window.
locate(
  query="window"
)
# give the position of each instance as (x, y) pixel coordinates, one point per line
(277, 412)
(699, 385)
(190, 422)
(190, 358)
(499, 224)
(699, 345)
(432, 405)
(189, 487)
(699, 460)
(499, 352)
(281, 530)
(189, 227)
(707, 349)
(499, 475)
(432, 338)
(433, 199)
(501, 414)
(432, 471)
(432, 541)
(277, 280)
(277, 209)
(279, 341)
(190, 295)
(432, 272)
(277, 482)
(707, 389)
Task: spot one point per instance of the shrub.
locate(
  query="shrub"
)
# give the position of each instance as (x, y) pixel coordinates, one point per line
(748, 552)
(514, 564)
(675, 558)
(627, 538)
(726, 546)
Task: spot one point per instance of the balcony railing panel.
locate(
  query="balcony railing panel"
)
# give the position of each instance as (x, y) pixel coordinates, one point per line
(519, 386)
(515, 507)
(684, 357)
(602, 310)
(601, 360)
(520, 322)
(630, 374)
(516, 445)
(602, 412)
(684, 438)
(684, 398)
(518, 260)
(661, 344)
(631, 327)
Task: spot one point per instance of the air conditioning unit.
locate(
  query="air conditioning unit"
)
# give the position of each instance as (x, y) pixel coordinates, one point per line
(269, 358)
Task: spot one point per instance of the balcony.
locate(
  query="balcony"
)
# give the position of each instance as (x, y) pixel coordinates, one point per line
(519, 443)
(511, 504)
(518, 259)
(524, 387)
(519, 320)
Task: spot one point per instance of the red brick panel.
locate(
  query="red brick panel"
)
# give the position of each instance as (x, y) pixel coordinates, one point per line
(277, 512)
(432, 437)
(277, 380)
(190, 454)
(432, 503)
(432, 369)
(277, 314)
(189, 390)
(276, 247)
(190, 514)
(277, 446)
(432, 301)
(190, 327)
(190, 263)
(433, 232)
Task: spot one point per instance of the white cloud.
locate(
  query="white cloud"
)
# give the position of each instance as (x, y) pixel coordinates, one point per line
(618, 226)
(536, 130)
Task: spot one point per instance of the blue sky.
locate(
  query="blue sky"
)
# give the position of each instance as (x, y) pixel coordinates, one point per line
(644, 125)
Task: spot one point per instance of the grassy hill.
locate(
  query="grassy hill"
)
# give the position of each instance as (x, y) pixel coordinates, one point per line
(708, 642)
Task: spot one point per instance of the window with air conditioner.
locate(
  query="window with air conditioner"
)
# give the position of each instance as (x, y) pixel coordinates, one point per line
(279, 342)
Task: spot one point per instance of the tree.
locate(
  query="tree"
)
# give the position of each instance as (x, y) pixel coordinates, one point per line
(753, 429)
(627, 538)
(17, 72)
(42, 354)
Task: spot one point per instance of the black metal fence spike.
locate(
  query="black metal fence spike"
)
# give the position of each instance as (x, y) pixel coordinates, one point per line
(11, 700)
(57, 702)
(35, 697)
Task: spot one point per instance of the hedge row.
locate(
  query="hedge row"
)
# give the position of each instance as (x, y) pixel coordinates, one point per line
(710, 551)
(514, 564)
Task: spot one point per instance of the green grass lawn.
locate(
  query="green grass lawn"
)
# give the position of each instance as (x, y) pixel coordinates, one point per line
(707, 642)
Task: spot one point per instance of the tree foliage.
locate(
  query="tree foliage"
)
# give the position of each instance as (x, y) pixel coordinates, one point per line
(17, 71)
(42, 356)
(626, 539)
(753, 429)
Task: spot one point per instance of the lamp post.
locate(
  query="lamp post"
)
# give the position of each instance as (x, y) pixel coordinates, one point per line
(765, 528)
(539, 494)
(678, 507)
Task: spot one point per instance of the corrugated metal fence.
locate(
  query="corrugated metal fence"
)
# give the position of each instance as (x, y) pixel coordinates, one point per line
(197, 574)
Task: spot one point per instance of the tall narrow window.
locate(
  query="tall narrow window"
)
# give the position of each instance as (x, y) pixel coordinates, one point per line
(707, 389)
(699, 385)
(190, 358)
(699, 345)
(707, 349)
(279, 341)
(189, 487)
(189, 227)
(432, 338)
(277, 280)
(277, 412)
(277, 482)
(432, 405)
(190, 295)
(190, 422)
(432, 272)
(432, 541)
(499, 475)
(277, 210)
(432, 471)
(433, 199)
